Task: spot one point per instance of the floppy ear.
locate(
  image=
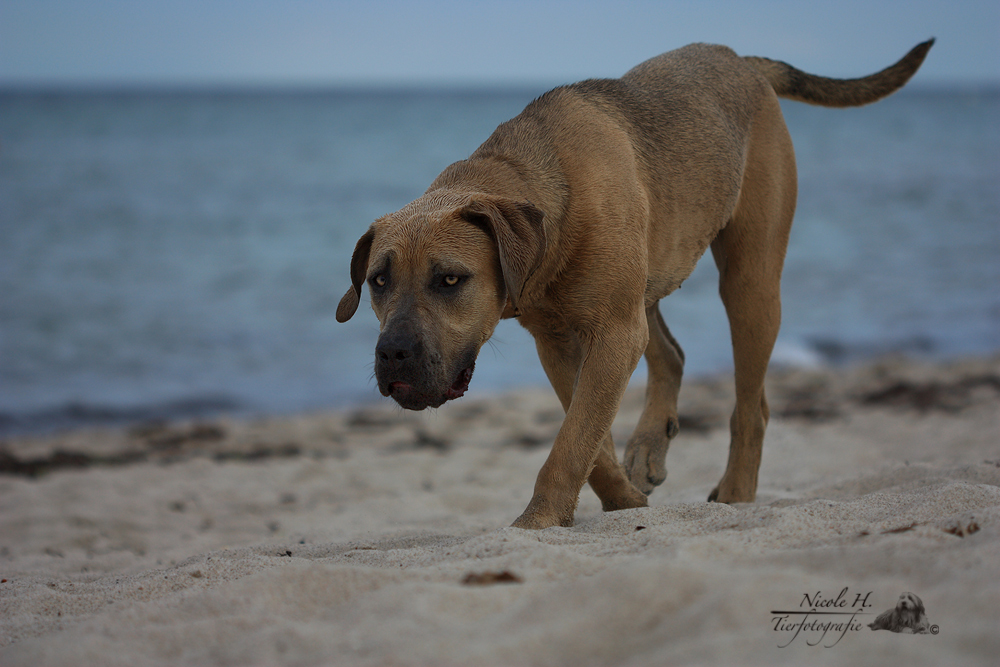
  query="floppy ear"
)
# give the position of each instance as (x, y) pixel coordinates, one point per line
(516, 228)
(359, 267)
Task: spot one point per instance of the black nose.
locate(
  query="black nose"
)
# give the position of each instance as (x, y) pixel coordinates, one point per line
(391, 353)
(397, 348)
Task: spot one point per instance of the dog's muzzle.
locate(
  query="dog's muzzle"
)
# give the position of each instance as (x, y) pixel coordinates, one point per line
(412, 377)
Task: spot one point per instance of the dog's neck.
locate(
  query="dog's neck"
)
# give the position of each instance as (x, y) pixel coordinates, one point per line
(506, 176)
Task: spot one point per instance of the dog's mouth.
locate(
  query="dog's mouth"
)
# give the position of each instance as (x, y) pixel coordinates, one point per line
(461, 384)
(413, 399)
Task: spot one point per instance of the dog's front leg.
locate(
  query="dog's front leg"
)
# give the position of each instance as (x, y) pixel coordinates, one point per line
(608, 361)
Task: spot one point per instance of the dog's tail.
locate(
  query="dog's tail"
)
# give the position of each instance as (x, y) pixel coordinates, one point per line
(802, 87)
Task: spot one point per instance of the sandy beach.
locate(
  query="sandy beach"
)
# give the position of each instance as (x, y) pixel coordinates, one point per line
(378, 537)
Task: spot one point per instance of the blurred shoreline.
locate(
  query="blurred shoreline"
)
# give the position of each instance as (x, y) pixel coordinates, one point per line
(811, 393)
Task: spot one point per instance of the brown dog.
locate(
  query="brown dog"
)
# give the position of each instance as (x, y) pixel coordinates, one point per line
(577, 217)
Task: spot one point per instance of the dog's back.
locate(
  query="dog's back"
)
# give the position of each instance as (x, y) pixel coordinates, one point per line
(717, 68)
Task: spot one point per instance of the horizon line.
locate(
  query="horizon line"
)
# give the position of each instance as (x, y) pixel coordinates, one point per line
(957, 86)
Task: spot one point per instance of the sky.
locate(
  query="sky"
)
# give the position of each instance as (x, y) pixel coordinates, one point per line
(472, 42)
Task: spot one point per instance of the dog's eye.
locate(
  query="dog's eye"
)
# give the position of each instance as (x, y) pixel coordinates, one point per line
(447, 283)
(379, 280)
(450, 281)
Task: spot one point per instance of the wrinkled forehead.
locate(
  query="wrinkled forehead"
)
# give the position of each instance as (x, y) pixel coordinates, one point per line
(421, 239)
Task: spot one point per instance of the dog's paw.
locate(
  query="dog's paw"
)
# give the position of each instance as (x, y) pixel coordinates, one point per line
(645, 461)
(537, 523)
(615, 507)
(533, 519)
(732, 493)
(629, 498)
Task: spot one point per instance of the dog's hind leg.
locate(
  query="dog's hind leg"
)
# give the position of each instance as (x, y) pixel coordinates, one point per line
(749, 253)
(646, 451)
(754, 316)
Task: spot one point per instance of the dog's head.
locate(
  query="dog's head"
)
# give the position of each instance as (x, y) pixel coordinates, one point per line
(910, 604)
(440, 272)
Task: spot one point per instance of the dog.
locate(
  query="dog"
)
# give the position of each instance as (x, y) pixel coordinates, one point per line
(576, 217)
(907, 616)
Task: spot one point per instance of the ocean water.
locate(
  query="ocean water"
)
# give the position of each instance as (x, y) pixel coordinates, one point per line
(177, 254)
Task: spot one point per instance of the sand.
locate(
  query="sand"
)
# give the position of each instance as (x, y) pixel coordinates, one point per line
(378, 537)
